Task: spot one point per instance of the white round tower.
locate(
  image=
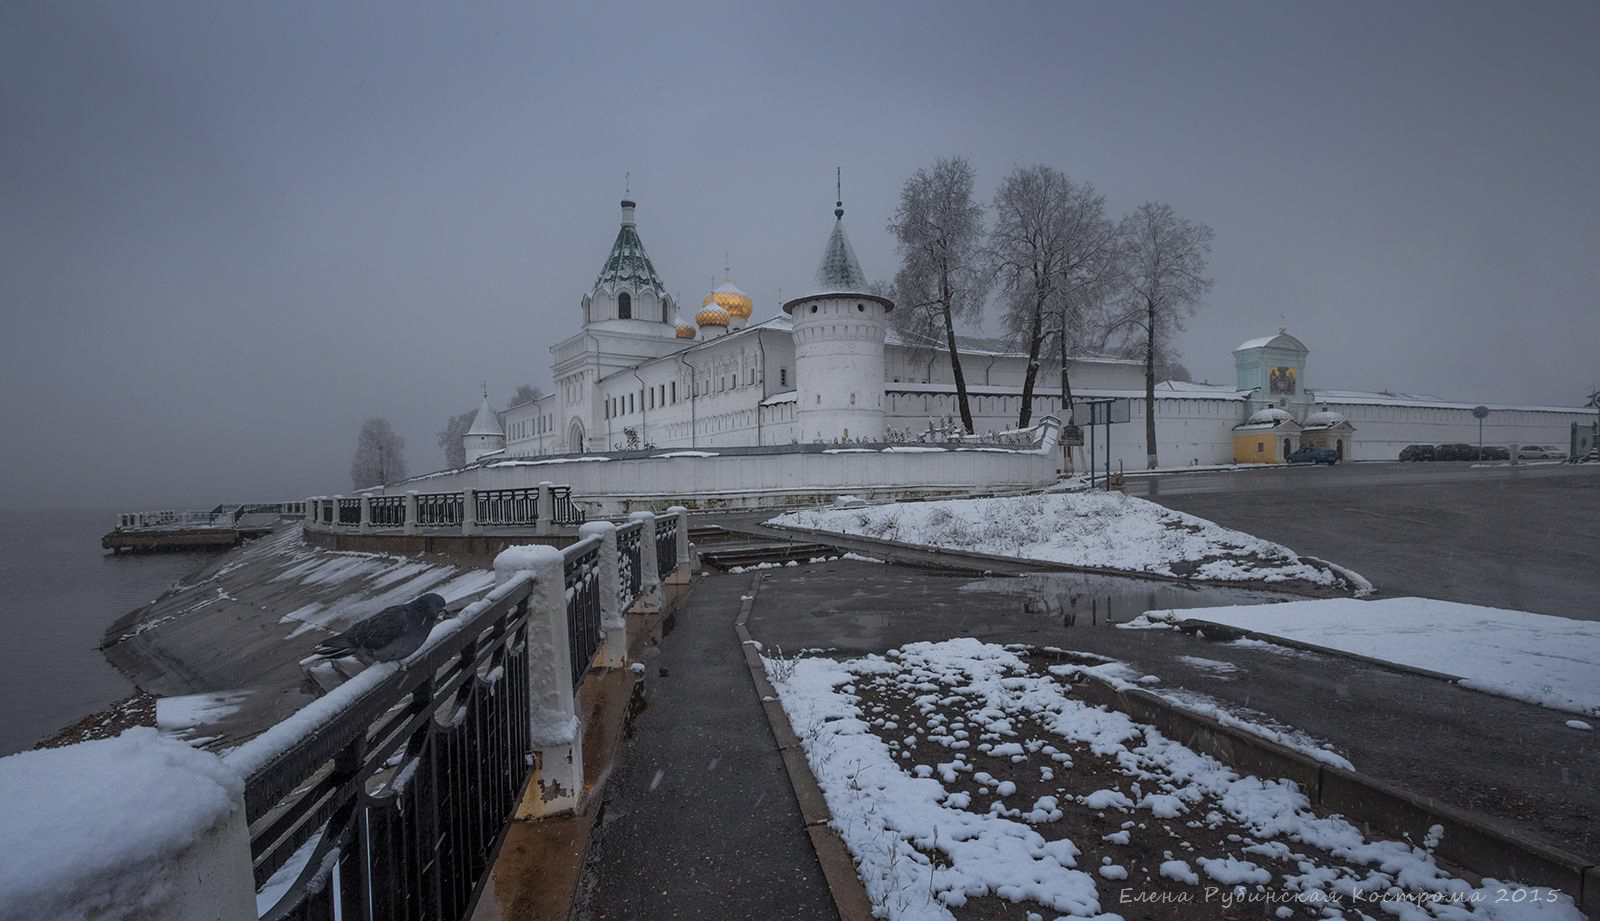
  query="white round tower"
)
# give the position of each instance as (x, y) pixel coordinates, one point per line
(486, 436)
(838, 348)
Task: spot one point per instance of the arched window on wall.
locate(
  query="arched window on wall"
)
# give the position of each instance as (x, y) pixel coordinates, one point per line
(624, 306)
(666, 311)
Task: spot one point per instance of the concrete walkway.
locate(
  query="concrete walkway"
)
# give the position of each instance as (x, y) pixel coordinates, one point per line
(699, 819)
(1515, 762)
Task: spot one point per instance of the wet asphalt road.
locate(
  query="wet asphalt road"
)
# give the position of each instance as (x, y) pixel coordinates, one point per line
(1526, 538)
(699, 819)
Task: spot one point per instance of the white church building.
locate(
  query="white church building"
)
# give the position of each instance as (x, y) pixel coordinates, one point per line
(826, 367)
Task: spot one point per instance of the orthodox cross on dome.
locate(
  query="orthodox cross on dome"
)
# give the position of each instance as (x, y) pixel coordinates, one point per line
(627, 184)
(838, 192)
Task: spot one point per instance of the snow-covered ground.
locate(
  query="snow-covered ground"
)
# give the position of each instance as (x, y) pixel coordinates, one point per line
(1103, 530)
(962, 776)
(1537, 658)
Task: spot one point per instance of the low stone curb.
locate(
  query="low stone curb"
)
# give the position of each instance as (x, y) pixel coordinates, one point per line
(1018, 563)
(1470, 840)
(838, 867)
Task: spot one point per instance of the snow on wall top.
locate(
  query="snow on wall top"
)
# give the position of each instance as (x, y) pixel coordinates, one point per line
(92, 826)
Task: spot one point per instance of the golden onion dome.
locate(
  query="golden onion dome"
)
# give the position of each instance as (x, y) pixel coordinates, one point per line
(711, 315)
(729, 297)
(684, 329)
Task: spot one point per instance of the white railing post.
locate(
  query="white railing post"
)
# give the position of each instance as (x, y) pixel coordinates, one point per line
(144, 867)
(547, 509)
(553, 721)
(311, 509)
(469, 511)
(366, 513)
(614, 651)
(683, 572)
(410, 525)
(649, 600)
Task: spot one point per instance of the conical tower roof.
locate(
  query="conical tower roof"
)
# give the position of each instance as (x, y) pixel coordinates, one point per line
(839, 269)
(628, 267)
(839, 272)
(487, 421)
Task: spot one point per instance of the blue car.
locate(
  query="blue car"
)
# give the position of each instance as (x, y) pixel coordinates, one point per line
(1311, 454)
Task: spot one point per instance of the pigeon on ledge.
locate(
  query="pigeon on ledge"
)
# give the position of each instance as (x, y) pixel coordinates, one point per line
(389, 635)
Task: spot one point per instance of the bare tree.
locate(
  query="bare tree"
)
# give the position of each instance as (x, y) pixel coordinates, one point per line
(455, 428)
(1169, 361)
(1164, 278)
(527, 393)
(941, 279)
(1054, 252)
(380, 455)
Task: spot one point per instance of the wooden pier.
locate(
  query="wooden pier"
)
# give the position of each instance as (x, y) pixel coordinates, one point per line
(219, 528)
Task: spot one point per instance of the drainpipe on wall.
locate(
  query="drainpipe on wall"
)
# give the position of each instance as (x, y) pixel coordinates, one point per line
(644, 414)
(761, 372)
(694, 391)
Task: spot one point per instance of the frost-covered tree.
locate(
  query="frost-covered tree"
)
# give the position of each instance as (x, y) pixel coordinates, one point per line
(939, 226)
(527, 393)
(457, 426)
(1163, 280)
(380, 455)
(1053, 252)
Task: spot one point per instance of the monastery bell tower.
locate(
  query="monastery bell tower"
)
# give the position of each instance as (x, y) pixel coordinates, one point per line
(838, 348)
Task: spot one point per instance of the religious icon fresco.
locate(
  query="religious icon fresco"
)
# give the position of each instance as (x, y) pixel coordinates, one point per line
(1280, 380)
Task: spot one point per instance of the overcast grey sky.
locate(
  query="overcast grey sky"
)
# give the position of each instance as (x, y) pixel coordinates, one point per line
(230, 232)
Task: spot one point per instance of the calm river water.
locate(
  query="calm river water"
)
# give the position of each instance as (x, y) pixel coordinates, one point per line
(58, 593)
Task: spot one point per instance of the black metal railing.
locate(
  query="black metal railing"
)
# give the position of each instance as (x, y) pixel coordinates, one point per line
(507, 507)
(439, 509)
(562, 508)
(581, 576)
(630, 564)
(327, 511)
(666, 546)
(349, 512)
(393, 807)
(387, 511)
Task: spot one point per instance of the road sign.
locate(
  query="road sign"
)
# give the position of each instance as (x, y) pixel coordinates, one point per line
(1480, 412)
(1106, 412)
(1072, 436)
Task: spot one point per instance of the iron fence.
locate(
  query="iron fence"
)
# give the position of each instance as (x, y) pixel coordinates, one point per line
(349, 512)
(581, 575)
(387, 511)
(666, 546)
(630, 564)
(507, 507)
(327, 511)
(563, 509)
(439, 509)
(393, 807)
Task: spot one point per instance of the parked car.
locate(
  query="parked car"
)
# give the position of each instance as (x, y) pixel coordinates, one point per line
(1311, 454)
(1496, 452)
(1540, 452)
(1455, 452)
(1417, 453)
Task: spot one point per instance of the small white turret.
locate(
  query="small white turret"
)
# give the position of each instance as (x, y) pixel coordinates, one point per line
(838, 348)
(486, 435)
